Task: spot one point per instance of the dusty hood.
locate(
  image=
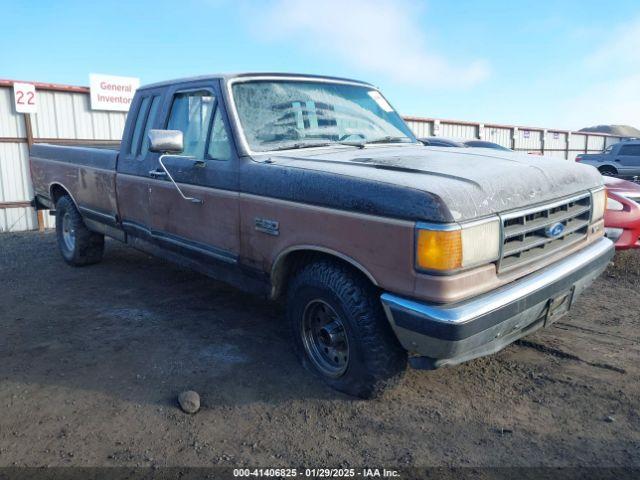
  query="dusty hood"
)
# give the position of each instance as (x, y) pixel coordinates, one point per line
(471, 182)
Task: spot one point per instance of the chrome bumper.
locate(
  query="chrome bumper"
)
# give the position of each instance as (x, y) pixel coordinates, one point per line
(453, 333)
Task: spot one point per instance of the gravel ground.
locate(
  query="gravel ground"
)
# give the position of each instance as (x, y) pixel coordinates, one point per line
(92, 360)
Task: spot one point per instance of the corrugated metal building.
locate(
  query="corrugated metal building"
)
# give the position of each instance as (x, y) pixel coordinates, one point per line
(65, 117)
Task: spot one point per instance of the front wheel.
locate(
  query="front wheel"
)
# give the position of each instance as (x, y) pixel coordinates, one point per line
(78, 245)
(340, 330)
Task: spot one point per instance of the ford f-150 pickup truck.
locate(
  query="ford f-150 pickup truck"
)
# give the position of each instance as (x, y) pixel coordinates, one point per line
(313, 191)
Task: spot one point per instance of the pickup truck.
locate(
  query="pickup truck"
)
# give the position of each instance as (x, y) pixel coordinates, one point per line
(312, 191)
(621, 159)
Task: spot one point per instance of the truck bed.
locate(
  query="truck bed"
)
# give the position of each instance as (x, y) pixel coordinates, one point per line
(101, 156)
(87, 173)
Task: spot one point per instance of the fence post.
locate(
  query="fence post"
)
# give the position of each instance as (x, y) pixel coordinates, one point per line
(29, 131)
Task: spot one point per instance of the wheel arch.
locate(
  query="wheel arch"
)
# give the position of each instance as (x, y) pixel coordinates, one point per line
(292, 258)
(58, 190)
(608, 166)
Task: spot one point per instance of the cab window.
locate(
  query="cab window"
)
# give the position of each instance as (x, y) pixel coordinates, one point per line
(191, 114)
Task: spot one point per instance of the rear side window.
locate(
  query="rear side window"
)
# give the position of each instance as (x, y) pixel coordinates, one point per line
(137, 129)
(155, 104)
(191, 114)
(146, 115)
(633, 150)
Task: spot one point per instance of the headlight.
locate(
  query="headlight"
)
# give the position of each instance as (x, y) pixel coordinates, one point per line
(457, 246)
(598, 204)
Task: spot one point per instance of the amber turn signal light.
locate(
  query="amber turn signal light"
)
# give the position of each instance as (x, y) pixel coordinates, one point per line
(439, 250)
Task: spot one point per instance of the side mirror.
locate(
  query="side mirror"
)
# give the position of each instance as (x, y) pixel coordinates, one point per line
(166, 141)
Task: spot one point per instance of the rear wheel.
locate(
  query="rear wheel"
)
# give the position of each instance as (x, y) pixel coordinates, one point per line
(78, 245)
(608, 171)
(340, 330)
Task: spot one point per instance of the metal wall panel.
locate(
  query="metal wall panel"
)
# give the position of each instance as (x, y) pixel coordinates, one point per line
(11, 123)
(577, 141)
(458, 131)
(421, 128)
(68, 115)
(528, 140)
(595, 143)
(555, 140)
(15, 186)
(610, 140)
(500, 135)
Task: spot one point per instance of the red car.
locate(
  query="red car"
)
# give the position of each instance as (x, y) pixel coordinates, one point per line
(622, 218)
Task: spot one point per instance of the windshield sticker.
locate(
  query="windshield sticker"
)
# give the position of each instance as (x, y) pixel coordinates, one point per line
(382, 103)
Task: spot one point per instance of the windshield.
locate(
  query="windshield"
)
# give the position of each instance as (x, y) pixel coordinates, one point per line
(278, 115)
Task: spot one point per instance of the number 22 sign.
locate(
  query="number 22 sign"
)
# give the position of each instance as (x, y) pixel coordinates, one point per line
(24, 97)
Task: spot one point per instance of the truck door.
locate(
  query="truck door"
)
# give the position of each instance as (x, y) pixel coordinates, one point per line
(207, 171)
(134, 163)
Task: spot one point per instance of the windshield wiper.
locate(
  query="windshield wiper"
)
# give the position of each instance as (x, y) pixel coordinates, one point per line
(299, 145)
(388, 139)
(295, 146)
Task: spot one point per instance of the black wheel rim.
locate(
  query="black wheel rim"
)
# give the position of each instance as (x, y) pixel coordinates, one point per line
(325, 338)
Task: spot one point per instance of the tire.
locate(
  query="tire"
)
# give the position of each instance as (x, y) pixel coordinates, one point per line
(330, 305)
(78, 245)
(608, 171)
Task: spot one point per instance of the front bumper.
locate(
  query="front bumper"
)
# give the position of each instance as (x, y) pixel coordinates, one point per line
(454, 333)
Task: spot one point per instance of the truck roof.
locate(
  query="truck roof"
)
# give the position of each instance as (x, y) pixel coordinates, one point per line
(228, 76)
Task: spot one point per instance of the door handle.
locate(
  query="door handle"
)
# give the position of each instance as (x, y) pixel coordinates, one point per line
(157, 174)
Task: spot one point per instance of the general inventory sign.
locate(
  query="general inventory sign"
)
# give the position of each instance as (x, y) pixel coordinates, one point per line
(109, 92)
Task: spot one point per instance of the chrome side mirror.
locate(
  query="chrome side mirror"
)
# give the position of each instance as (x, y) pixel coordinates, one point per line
(166, 141)
(169, 143)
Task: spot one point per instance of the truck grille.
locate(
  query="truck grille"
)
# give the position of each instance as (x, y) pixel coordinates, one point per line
(524, 232)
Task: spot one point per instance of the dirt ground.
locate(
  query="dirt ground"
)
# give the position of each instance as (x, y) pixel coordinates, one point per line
(92, 359)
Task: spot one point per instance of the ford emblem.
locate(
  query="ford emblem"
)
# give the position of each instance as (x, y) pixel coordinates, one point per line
(555, 230)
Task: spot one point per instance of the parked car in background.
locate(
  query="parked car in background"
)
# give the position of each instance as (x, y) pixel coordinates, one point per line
(620, 159)
(441, 142)
(485, 144)
(622, 218)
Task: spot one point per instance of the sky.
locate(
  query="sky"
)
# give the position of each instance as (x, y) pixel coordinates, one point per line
(555, 64)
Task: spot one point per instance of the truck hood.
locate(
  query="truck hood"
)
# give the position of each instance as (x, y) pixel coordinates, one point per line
(470, 182)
